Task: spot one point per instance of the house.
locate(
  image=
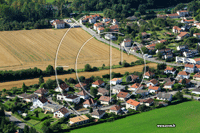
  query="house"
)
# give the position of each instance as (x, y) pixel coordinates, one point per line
(69, 98)
(197, 76)
(28, 97)
(151, 46)
(117, 88)
(132, 104)
(62, 87)
(97, 25)
(147, 102)
(174, 15)
(98, 83)
(62, 112)
(115, 109)
(197, 61)
(59, 24)
(170, 70)
(80, 85)
(176, 29)
(187, 21)
(164, 96)
(126, 42)
(182, 48)
(89, 103)
(40, 102)
(115, 81)
(154, 89)
(50, 107)
(142, 92)
(92, 20)
(103, 92)
(162, 41)
(106, 19)
(131, 18)
(41, 92)
(189, 68)
(168, 56)
(123, 96)
(188, 54)
(149, 75)
(82, 94)
(198, 26)
(114, 28)
(114, 22)
(183, 13)
(135, 87)
(161, 16)
(152, 82)
(194, 52)
(183, 74)
(98, 113)
(78, 120)
(196, 91)
(187, 81)
(144, 34)
(182, 35)
(169, 85)
(197, 68)
(105, 100)
(109, 37)
(100, 30)
(134, 78)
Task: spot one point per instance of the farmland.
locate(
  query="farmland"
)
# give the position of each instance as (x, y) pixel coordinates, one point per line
(9, 85)
(185, 115)
(37, 48)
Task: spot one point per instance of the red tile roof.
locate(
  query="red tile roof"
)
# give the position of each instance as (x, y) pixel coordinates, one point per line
(133, 102)
(189, 65)
(90, 101)
(79, 86)
(98, 82)
(104, 98)
(153, 87)
(170, 68)
(187, 81)
(197, 75)
(182, 34)
(197, 59)
(183, 73)
(149, 73)
(82, 93)
(115, 107)
(149, 100)
(122, 94)
(136, 85)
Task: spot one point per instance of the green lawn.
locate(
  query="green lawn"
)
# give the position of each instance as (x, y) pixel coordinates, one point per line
(185, 115)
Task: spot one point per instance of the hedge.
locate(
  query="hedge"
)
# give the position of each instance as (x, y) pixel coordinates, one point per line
(38, 119)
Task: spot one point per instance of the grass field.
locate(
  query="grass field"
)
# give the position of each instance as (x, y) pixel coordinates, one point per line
(37, 48)
(185, 115)
(9, 85)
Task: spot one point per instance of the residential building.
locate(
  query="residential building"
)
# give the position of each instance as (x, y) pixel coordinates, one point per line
(117, 88)
(115, 22)
(162, 41)
(196, 91)
(176, 29)
(161, 16)
(62, 87)
(169, 85)
(168, 56)
(134, 78)
(147, 102)
(131, 18)
(69, 98)
(142, 92)
(149, 74)
(78, 120)
(28, 97)
(196, 76)
(41, 92)
(97, 25)
(83, 94)
(40, 102)
(154, 89)
(62, 112)
(189, 68)
(132, 104)
(182, 35)
(106, 19)
(115, 81)
(100, 30)
(123, 96)
(105, 100)
(98, 113)
(152, 82)
(174, 15)
(114, 28)
(188, 54)
(59, 24)
(81, 86)
(183, 74)
(197, 61)
(183, 13)
(170, 70)
(136, 86)
(103, 92)
(109, 37)
(115, 109)
(89, 103)
(182, 48)
(92, 20)
(126, 42)
(164, 96)
(98, 83)
(50, 107)
(144, 34)
(187, 81)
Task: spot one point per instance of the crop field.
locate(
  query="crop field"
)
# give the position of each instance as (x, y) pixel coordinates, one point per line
(9, 85)
(37, 48)
(184, 115)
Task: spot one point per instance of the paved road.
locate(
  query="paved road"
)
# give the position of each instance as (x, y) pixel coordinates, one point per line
(15, 120)
(93, 33)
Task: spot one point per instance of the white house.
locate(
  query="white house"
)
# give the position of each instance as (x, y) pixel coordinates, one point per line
(132, 104)
(109, 37)
(41, 92)
(114, 22)
(105, 100)
(154, 89)
(147, 102)
(169, 85)
(89, 103)
(40, 102)
(164, 96)
(183, 35)
(182, 48)
(62, 87)
(115, 81)
(98, 113)
(176, 29)
(98, 83)
(97, 25)
(170, 70)
(148, 75)
(100, 30)
(62, 112)
(196, 91)
(116, 89)
(115, 109)
(106, 19)
(59, 24)
(92, 20)
(135, 87)
(183, 74)
(123, 96)
(190, 68)
(28, 97)
(152, 82)
(126, 42)
(69, 98)
(82, 94)
(196, 35)
(196, 76)
(183, 13)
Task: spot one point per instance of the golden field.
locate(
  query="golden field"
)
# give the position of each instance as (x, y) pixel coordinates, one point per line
(37, 48)
(9, 85)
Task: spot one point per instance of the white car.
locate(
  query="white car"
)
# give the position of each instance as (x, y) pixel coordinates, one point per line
(149, 56)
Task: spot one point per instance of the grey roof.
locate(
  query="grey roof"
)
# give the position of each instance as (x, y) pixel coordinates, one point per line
(197, 89)
(118, 87)
(164, 95)
(98, 112)
(53, 106)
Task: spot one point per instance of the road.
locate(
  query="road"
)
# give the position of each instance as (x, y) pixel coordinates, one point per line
(19, 123)
(93, 33)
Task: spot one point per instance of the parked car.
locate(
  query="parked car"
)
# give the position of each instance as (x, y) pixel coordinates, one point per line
(149, 56)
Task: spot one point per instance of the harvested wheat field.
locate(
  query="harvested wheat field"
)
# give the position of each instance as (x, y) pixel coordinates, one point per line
(37, 48)
(9, 85)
